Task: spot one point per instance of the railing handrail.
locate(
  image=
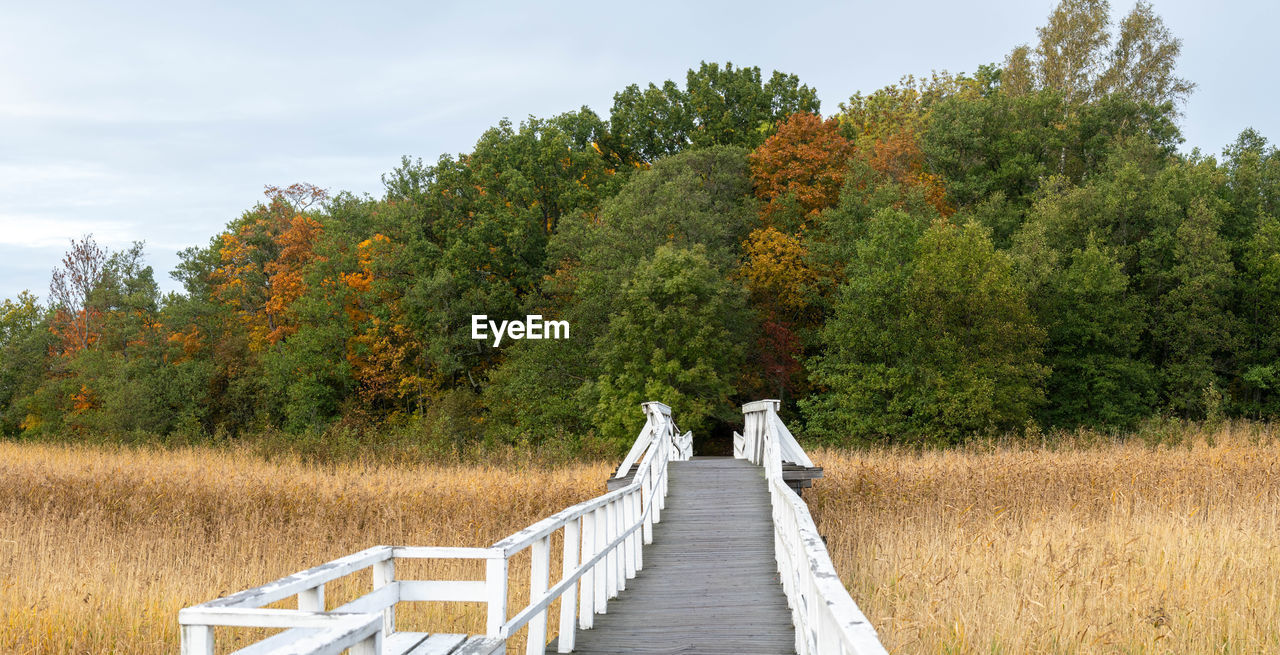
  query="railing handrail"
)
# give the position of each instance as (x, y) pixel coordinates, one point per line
(290, 585)
(826, 618)
(658, 427)
(611, 530)
(544, 528)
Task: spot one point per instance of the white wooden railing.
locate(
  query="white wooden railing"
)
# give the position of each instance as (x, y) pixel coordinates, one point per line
(603, 541)
(826, 619)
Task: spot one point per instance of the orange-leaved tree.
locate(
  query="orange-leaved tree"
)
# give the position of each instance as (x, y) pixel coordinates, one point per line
(780, 281)
(386, 358)
(261, 262)
(802, 164)
(76, 321)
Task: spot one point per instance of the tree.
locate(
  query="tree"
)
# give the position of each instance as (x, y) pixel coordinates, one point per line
(25, 342)
(476, 229)
(1075, 57)
(677, 338)
(718, 106)
(1194, 329)
(1260, 306)
(805, 159)
(1095, 331)
(886, 128)
(1069, 57)
(696, 199)
(781, 284)
(75, 319)
(251, 279)
(1141, 65)
(1252, 190)
(932, 339)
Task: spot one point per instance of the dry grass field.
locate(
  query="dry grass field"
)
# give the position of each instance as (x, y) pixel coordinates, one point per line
(100, 548)
(1079, 548)
(1102, 548)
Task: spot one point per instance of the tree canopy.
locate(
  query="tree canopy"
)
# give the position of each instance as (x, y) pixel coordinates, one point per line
(948, 256)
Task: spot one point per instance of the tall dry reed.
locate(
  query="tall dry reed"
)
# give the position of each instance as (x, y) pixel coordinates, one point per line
(1101, 548)
(100, 547)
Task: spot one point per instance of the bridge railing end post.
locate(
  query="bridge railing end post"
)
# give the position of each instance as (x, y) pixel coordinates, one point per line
(495, 580)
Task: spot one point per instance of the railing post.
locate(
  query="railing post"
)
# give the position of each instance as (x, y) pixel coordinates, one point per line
(312, 599)
(539, 575)
(372, 645)
(611, 532)
(495, 579)
(620, 526)
(761, 437)
(197, 640)
(646, 499)
(569, 600)
(655, 496)
(587, 583)
(637, 545)
(384, 573)
(662, 490)
(628, 544)
(602, 570)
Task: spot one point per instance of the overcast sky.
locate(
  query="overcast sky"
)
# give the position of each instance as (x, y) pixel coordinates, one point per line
(162, 123)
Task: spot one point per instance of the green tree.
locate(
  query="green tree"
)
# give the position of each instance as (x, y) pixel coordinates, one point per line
(932, 338)
(476, 229)
(718, 106)
(678, 337)
(1075, 56)
(1260, 307)
(1011, 144)
(1194, 330)
(25, 342)
(699, 198)
(1095, 329)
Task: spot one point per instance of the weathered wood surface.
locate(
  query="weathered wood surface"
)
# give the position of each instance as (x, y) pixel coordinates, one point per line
(614, 483)
(796, 476)
(800, 477)
(710, 582)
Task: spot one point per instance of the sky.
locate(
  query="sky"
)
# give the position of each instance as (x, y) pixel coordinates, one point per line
(162, 122)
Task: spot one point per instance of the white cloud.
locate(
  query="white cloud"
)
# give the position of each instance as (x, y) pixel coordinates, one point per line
(36, 231)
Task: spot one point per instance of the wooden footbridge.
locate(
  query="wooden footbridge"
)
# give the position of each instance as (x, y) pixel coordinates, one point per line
(684, 554)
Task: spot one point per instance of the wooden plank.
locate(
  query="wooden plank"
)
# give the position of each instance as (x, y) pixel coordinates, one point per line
(437, 644)
(243, 617)
(373, 602)
(303, 580)
(318, 642)
(796, 472)
(270, 644)
(442, 552)
(615, 483)
(401, 642)
(709, 582)
(312, 600)
(443, 590)
(481, 646)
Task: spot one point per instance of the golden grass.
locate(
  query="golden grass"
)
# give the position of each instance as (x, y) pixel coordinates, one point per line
(1108, 548)
(1084, 548)
(100, 547)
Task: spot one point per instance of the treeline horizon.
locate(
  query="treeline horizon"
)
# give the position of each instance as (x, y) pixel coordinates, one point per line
(1019, 249)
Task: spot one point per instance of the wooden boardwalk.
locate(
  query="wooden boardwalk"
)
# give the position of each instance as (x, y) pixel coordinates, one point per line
(710, 581)
(682, 549)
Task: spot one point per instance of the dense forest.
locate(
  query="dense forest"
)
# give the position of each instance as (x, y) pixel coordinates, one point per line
(1021, 248)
